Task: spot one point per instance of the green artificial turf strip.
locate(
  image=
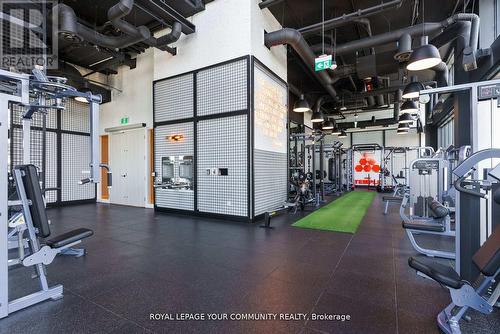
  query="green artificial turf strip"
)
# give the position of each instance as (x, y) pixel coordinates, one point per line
(342, 215)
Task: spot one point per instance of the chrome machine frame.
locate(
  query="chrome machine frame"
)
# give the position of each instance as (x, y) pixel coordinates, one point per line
(16, 88)
(472, 89)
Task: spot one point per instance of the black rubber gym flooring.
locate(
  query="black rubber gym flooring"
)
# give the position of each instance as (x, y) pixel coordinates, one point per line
(139, 263)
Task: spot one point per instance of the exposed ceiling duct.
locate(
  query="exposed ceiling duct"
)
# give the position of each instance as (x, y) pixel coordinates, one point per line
(347, 18)
(71, 29)
(295, 39)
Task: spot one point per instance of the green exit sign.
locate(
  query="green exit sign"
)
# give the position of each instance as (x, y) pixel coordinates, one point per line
(322, 63)
(124, 120)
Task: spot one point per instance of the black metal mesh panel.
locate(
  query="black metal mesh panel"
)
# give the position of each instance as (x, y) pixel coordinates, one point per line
(37, 119)
(76, 117)
(17, 147)
(174, 98)
(222, 144)
(222, 88)
(75, 158)
(75, 151)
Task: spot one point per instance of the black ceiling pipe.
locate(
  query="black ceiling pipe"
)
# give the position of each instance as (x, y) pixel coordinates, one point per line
(269, 3)
(69, 27)
(123, 8)
(116, 14)
(295, 39)
(346, 18)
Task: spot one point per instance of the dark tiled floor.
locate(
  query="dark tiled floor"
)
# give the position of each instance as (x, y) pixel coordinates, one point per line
(139, 262)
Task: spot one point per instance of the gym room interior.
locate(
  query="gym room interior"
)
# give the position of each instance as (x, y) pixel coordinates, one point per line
(250, 166)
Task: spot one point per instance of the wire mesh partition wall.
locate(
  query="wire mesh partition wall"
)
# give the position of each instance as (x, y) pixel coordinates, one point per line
(169, 152)
(208, 109)
(223, 166)
(222, 89)
(67, 150)
(173, 98)
(270, 159)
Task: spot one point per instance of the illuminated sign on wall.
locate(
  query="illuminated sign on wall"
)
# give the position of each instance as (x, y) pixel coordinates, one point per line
(270, 113)
(175, 138)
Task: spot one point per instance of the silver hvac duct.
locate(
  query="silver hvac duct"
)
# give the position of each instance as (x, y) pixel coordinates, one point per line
(295, 39)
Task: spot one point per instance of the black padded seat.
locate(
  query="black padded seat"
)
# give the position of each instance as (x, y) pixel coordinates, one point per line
(392, 198)
(69, 237)
(424, 226)
(438, 272)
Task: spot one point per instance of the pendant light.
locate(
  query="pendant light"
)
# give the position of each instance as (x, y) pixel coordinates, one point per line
(402, 132)
(409, 107)
(412, 90)
(343, 134)
(404, 126)
(327, 125)
(301, 105)
(425, 56)
(336, 131)
(405, 118)
(317, 117)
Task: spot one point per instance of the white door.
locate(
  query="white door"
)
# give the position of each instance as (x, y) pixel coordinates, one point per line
(127, 160)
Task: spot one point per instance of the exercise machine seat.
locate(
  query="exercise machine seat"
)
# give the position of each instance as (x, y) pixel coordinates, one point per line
(69, 237)
(34, 193)
(438, 272)
(487, 258)
(439, 210)
(424, 226)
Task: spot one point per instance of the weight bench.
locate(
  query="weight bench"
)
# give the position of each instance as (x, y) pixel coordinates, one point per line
(463, 294)
(440, 224)
(37, 226)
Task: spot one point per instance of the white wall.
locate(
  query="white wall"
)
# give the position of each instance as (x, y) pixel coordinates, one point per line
(226, 29)
(135, 99)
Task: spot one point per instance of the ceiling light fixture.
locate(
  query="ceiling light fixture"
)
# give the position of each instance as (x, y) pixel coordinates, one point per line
(343, 134)
(405, 118)
(404, 126)
(425, 56)
(301, 105)
(412, 90)
(327, 125)
(317, 117)
(409, 107)
(336, 131)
